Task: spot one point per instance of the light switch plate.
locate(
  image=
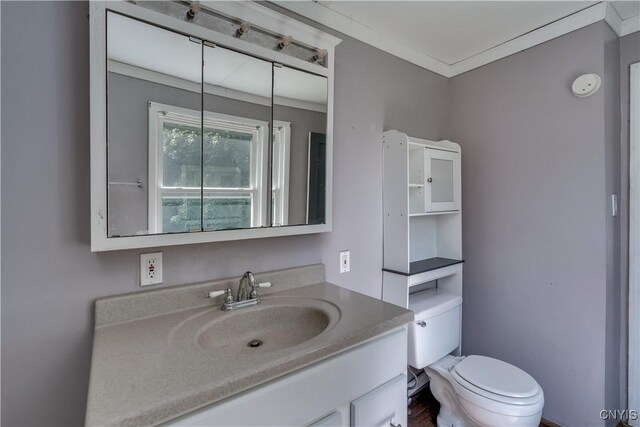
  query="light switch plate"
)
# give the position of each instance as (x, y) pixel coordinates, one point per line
(150, 269)
(345, 262)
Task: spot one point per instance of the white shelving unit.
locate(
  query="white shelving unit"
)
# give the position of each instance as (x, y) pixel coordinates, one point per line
(422, 216)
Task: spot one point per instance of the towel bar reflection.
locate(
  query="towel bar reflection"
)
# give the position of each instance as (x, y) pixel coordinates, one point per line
(138, 183)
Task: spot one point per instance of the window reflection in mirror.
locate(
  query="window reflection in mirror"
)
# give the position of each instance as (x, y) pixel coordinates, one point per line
(299, 147)
(154, 149)
(201, 137)
(237, 119)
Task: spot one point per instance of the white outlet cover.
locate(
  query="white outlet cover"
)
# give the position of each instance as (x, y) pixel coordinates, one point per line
(586, 85)
(146, 276)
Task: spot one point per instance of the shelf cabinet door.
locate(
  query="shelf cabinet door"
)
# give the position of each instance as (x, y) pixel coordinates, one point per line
(442, 172)
(383, 407)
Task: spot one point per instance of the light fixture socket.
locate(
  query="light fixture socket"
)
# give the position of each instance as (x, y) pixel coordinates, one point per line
(193, 10)
(319, 55)
(242, 29)
(286, 41)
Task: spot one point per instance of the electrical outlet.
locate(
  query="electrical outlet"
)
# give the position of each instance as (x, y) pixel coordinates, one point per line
(345, 262)
(150, 269)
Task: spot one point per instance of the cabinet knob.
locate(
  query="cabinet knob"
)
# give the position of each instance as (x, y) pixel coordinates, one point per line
(429, 180)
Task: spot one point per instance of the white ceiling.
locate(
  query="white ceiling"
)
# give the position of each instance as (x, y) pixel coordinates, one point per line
(452, 31)
(452, 37)
(148, 47)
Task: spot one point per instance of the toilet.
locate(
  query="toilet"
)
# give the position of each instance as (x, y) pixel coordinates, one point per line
(472, 390)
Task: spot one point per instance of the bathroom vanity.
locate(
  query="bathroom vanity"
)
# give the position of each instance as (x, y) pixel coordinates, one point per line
(327, 356)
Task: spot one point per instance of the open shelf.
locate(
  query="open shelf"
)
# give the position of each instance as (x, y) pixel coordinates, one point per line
(422, 217)
(417, 214)
(416, 199)
(429, 264)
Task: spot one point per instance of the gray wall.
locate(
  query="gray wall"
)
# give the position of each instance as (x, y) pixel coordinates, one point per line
(50, 278)
(541, 277)
(128, 144)
(396, 95)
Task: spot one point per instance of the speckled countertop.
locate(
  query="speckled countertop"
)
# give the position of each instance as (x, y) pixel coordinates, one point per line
(147, 367)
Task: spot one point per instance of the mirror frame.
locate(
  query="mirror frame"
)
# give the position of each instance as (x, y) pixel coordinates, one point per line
(257, 15)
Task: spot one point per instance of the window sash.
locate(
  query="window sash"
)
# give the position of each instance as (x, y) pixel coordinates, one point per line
(159, 114)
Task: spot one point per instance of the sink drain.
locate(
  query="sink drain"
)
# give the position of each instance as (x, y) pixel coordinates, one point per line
(254, 343)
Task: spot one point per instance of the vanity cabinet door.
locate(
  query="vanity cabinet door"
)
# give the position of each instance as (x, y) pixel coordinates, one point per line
(382, 407)
(442, 172)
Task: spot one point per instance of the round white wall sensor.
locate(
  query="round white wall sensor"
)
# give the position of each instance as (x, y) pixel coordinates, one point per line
(586, 85)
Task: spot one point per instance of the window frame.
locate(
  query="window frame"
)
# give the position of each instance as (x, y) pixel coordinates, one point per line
(633, 379)
(159, 114)
(281, 163)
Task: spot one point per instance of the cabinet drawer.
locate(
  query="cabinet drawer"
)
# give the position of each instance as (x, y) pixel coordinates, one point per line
(382, 407)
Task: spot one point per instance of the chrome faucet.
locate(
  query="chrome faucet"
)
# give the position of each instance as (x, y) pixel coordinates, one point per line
(247, 293)
(247, 287)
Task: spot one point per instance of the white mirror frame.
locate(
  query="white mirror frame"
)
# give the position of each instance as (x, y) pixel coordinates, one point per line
(257, 15)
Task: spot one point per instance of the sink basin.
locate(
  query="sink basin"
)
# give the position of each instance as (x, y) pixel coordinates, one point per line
(271, 328)
(275, 324)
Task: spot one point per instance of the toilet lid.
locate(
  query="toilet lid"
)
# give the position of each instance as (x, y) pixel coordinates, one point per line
(496, 376)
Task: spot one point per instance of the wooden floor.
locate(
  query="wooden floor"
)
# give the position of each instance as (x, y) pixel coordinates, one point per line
(424, 409)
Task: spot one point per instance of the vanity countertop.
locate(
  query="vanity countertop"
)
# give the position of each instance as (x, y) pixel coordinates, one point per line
(142, 373)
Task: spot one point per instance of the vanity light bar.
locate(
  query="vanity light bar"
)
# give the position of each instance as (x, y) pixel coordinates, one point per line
(197, 14)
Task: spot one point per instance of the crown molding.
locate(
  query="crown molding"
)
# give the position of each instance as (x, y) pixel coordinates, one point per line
(621, 27)
(328, 17)
(629, 26)
(541, 35)
(613, 19)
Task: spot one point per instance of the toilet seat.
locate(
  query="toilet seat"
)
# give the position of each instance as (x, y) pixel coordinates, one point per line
(496, 385)
(496, 379)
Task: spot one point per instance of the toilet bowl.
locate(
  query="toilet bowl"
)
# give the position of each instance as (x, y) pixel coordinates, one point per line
(472, 390)
(481, 391)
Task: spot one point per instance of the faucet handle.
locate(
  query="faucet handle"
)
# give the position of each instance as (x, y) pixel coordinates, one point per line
(215, 294)
(229, 299)
(265, 285)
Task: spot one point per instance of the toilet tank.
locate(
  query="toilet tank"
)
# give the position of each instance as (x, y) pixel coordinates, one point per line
(436, 329)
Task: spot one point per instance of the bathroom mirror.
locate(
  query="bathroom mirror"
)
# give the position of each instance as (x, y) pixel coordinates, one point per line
(299, 157)
(237, 120)
(196, 140)
(153, 124)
